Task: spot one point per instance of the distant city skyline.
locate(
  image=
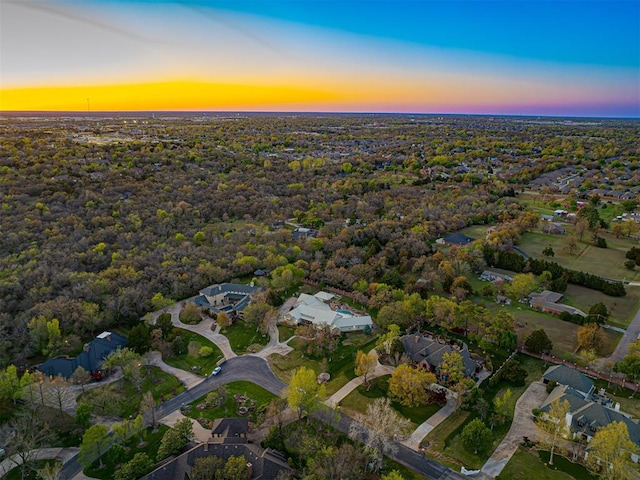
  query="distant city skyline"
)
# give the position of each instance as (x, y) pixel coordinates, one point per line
(557, 58)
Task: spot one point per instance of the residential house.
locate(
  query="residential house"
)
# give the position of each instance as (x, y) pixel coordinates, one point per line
(587, 411)
(427, 353)
(230, 298)
(459, 239)
(491, 276)
(314, 309)
(229, 438)
(548, 302)
(552, 228)
(303, 233)
(90, 358)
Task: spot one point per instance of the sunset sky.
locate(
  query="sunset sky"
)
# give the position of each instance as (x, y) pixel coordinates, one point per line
(542, 57)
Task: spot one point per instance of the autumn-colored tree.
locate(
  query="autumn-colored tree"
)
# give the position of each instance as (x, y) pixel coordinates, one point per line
(365, 365)
(610, 453)
(452, 368)
(590, 337)
(410, 386)
(521, 286)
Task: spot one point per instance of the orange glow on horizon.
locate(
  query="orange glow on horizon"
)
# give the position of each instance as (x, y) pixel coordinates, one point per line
(173, 95)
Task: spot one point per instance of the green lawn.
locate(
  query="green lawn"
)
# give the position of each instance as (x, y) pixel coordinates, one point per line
(162, 385)
(340, 363)
(285, 332)
(562, 334)
(205, 365)
(621, 309)
(30, 472)
(389, 465)
(444, 441)
(527, 466)
(229, 408)
(150, 448)
(606, 262)
(244, 338)
(360, 398)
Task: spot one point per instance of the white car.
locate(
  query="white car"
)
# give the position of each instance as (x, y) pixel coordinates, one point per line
(216, 370)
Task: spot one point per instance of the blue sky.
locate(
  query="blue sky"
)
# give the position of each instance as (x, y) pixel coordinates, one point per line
(530, 57)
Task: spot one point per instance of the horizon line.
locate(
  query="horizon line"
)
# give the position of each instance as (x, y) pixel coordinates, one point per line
(304, 112)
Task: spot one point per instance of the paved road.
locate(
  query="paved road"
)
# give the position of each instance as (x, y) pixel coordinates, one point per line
(633, 330)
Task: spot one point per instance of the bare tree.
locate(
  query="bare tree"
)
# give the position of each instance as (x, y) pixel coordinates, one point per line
(30, 433)
(378, 429)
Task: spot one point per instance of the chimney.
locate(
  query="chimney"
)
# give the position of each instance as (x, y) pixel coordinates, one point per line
(205, 447)
(416, 339)
(249, 469)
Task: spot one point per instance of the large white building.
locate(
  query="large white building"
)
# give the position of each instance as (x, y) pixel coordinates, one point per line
(314, 309)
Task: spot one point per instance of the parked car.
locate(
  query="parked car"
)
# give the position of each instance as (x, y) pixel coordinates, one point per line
(216, 370)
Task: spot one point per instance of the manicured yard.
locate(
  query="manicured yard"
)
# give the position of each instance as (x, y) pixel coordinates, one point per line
(162, 385)
(205, 365)
(229, 408)
(285, 332)
(340, 363)
(150, 448)
(360, 398)
(242, 336)
(526, 465)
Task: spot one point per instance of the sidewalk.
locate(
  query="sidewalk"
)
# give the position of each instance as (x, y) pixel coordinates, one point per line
(202, 434)
(432, 422)
(337, 397)
(189, 379)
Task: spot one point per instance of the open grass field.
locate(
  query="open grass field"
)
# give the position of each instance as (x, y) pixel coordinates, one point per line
(244, 338)
(152, 443)
(162, 385)
(229, 408)
(621, 309)
(561, 333)
(205, 365)
(526, 465)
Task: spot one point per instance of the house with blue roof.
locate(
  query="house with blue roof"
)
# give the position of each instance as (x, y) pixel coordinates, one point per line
(90, 358)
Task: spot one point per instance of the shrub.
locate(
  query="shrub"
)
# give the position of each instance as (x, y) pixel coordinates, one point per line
(205, 351)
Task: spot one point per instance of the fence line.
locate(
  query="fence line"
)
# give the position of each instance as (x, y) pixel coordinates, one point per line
(586, 370)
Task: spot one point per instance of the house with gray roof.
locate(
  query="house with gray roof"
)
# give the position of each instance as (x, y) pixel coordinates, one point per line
(427, 353)
(90, 358)
(549, 302)
(587, 414)
(564, 375)
(230, 298)
(229, 438)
